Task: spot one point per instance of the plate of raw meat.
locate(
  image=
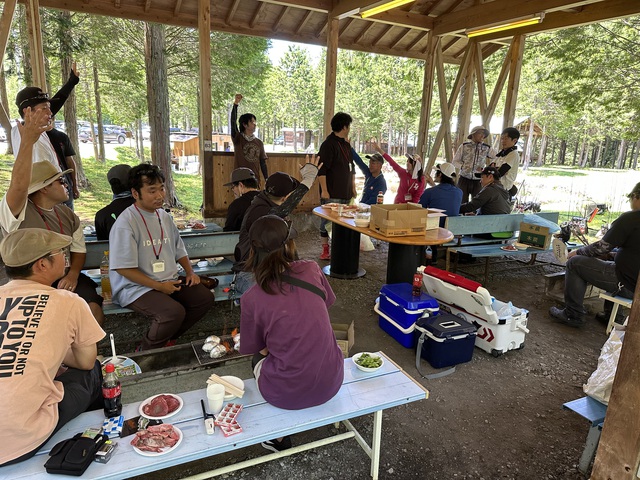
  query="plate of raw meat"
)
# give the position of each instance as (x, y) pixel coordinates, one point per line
(160, 406)
(157, 440)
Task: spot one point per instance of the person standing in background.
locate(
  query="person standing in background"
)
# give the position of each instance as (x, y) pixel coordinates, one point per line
(471, 158)
(508, 156)
(248, 149)
(64, 150)
(118, 177)
(412, 181)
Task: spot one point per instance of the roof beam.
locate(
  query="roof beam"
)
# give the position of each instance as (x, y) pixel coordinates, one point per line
(283, 13)
(346, 8)
(304, 21)
(417, 40)
(232, 11)
(147, 5)
(382, 35)
(587, 14)
(346, 25)
(363, 32)
(176, 9)
(257, 14)
(399, 38)
(322, 6)
(400, 18)
(501, 11)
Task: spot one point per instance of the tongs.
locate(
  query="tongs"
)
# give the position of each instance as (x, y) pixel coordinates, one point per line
(208, 419)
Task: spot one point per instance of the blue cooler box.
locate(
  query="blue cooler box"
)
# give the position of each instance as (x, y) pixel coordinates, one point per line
(449, 339)
(399, 310)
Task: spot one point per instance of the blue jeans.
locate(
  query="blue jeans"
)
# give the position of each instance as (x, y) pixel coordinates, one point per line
(582, 271)
(323, 222)
(244, 281)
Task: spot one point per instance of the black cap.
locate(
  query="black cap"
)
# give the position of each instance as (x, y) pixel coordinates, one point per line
(635, 192)
(489, 171)
(376, 157)
(280, 184)
(269, 233)
(29, 97)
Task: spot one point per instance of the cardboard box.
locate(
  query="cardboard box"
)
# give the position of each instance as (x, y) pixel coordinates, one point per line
(404, 219)
(534, 236)
(345, 336)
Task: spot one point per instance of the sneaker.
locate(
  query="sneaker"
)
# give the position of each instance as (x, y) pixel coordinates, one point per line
(560, 315)
(276, 446)
(325, 256)
(603, 317)
(170, 343)
(138, 348)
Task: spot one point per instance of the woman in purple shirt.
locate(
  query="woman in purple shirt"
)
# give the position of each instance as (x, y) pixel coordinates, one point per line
(284, 321)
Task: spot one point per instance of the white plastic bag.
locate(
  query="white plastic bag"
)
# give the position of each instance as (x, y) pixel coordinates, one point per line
(601, 380)
(366, 245)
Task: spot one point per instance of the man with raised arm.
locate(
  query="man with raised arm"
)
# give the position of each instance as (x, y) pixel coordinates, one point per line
(248, 149)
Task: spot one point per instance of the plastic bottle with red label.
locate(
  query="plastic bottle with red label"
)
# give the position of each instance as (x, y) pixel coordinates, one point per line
(111, 392)
(417, 284)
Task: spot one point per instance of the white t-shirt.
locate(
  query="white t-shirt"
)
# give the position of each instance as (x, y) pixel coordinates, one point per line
(513, 160)
(132, 246)
(42, 150)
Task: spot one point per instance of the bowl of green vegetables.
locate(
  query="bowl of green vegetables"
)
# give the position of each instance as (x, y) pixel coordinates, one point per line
(367, 361)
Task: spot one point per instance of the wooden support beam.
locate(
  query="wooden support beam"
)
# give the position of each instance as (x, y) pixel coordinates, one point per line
(596, 12)
(232, 12)
(304, 21)
(347, 23)
(482, 90)
(445, 111)
(320, 6)
(204, 83)
(497, 89)
(363, 32)
(401, 18)
(400, 38)
(330, 74)
(499, 11)
(5, 26)
(466, 97)
(32, 9)
(452, 7)
(417, 40)
(257, 14)
(346, 8)
(425, 103)
(515, 69)
(618, 454)
(176, 8)
(278, 22)
(321, 29)
(147, 6)
(383, 34)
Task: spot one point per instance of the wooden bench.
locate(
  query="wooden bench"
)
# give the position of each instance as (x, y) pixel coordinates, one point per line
(361, 394)
(198, 245)
(464, 227)
(617, 301)
(595, 413)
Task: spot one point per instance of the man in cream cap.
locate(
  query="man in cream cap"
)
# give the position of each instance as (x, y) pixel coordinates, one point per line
(47, 326)
(35, 199)
(471, 157)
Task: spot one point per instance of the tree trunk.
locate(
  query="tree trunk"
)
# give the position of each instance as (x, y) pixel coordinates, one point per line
(96, 92)
(543, 151)
(634, 161)
(583, 153)
(4, 114)
(622, 154)
(21, 19)
(158, 104)
(563, 152)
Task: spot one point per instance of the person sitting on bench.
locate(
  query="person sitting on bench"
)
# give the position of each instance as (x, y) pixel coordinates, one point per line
(285, 322)
(493, 199)
(118, 177)
(41, 328)
(618, 275)
(145, 250)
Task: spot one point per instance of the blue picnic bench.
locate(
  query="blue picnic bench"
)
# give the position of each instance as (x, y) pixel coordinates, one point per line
(465, 228)
(198, 245)
(595, 412)
(361, 394)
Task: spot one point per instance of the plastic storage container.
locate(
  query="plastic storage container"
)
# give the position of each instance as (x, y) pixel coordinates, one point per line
(449, 340)
(398, 310)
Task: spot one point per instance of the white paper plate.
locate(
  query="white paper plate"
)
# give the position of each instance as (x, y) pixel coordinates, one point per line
(94, 272)
(164, 450)
(236, 382)
(148, 400)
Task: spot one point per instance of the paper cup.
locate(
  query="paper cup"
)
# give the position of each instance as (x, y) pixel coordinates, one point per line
(215, 396)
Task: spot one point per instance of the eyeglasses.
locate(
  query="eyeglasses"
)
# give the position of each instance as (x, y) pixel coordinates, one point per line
(62, 180)
(66, 257)
(34, 100)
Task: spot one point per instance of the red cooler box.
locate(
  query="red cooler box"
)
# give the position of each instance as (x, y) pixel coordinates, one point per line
(399, 309)
(449, 340)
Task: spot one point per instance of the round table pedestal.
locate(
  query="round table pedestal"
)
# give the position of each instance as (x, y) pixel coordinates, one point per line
(403, 261)
(345, 254)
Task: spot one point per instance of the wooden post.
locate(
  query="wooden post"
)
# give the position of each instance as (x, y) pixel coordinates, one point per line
(35, 43)
(330, 75)
(425, 106)
(205, 146)
(5, 26)
(618, 454)
(516, 51)
(466, 102)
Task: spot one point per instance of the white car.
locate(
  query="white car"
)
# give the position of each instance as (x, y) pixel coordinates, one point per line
(3, 135)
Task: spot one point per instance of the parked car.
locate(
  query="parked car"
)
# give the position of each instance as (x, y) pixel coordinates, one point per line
(111, 133)
(279, 140)
(60, 125)
(3, 135)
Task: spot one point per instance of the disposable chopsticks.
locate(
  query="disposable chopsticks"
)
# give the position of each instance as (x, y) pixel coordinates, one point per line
(232, 389)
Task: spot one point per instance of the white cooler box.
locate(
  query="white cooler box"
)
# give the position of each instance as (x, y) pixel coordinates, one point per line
(459, 295)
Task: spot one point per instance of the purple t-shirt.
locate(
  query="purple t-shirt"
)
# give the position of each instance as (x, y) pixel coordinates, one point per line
(305, 366)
